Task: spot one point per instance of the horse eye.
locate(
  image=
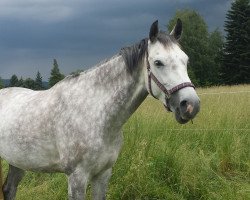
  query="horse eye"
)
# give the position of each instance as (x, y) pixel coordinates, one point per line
(158, 63)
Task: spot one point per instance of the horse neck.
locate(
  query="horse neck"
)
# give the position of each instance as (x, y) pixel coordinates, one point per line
(118, 92)
(126, 89)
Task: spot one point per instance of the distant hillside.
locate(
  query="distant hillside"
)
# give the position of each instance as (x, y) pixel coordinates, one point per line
(6, 83)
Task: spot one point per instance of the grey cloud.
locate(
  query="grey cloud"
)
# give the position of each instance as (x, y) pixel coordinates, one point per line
(81, 33)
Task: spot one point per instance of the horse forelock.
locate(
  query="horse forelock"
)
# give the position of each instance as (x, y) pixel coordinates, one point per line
(166, 39)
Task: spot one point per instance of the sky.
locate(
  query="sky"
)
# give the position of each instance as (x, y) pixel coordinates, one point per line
(81, 33)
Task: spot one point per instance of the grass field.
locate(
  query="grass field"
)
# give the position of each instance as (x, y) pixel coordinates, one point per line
(160, 159)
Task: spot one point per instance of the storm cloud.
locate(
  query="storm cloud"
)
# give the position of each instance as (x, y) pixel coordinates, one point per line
(80, 33)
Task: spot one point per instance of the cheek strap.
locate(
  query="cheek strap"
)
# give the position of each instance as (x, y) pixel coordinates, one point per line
(167, 92)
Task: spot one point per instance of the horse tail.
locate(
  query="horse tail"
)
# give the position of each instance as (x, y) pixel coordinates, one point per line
(1, 181)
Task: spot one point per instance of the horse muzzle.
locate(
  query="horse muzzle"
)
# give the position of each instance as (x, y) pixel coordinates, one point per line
(187, 110)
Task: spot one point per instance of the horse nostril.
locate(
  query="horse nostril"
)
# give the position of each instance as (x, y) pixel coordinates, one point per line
(186, 107)
(183, 104)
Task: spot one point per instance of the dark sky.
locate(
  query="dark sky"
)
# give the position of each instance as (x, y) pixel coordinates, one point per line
(81, 33)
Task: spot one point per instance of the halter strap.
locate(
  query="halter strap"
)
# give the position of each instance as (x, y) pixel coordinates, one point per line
(167, 92)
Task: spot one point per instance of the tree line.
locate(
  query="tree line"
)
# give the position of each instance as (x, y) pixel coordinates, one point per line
(213, 58)
(37, 83)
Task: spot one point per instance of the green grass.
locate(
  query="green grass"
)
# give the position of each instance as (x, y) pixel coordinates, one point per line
(160, 159)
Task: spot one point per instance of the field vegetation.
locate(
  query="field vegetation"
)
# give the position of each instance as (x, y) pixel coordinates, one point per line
(160, 159)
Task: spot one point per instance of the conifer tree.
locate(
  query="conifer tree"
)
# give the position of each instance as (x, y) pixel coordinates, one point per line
(55, 75)
(29, 83)
(38, 81)
(236, 58)
(20, 82)
(215, 49)
(1, 83)
(13, 81)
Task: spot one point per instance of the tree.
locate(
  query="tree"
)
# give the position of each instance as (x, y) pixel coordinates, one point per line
(20, 82)
(55, 75)
(13, 81)
(39, 82)
(215, 49)
(29, 83)
(1, 83)
(196, 43)
(236, 58)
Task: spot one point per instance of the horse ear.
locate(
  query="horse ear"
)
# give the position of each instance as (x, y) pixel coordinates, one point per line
(153, 31)
(177, 31)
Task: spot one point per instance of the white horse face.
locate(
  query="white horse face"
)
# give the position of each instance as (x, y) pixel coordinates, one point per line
(168, 63)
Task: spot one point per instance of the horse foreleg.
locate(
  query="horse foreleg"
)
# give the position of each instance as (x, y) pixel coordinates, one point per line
(15, 175)
(77, 184)
(100, 184)
(1, 181)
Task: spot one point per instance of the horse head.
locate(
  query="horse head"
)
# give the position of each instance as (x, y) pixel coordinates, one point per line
(166, 76)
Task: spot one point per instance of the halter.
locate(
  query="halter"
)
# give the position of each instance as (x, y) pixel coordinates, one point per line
(167, 92)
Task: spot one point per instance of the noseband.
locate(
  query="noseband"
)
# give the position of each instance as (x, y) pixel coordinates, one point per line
(167, 92)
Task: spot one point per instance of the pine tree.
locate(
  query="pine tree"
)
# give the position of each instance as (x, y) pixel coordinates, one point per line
(1, 83)
(20, 82)
(236, 58)
(55, 75)
(216, 43)
(29, 83)
(13, 81)
(39, 81)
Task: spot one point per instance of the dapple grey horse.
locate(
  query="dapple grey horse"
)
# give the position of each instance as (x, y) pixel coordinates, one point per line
(75, 126)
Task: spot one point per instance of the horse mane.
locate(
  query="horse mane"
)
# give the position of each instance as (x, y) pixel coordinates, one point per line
(134, 54)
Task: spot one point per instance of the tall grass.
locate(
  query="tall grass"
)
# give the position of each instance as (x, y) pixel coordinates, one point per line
(160, 159)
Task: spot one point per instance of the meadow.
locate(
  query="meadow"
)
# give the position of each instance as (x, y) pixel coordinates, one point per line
(161, 159)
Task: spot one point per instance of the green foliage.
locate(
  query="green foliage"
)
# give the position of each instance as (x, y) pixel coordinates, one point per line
(1, 83)
(13, 81)
(55, 75)
(20, 82)
(38, 82)
(215, 48)
(29, 83)
(202, 47)
(236, 59)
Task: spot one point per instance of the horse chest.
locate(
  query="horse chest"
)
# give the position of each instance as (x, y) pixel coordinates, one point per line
(96, 151)
(103, 160)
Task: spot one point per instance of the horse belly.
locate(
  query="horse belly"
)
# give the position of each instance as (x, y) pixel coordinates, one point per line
(24, 145)
(26, 138)
(29, 154)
